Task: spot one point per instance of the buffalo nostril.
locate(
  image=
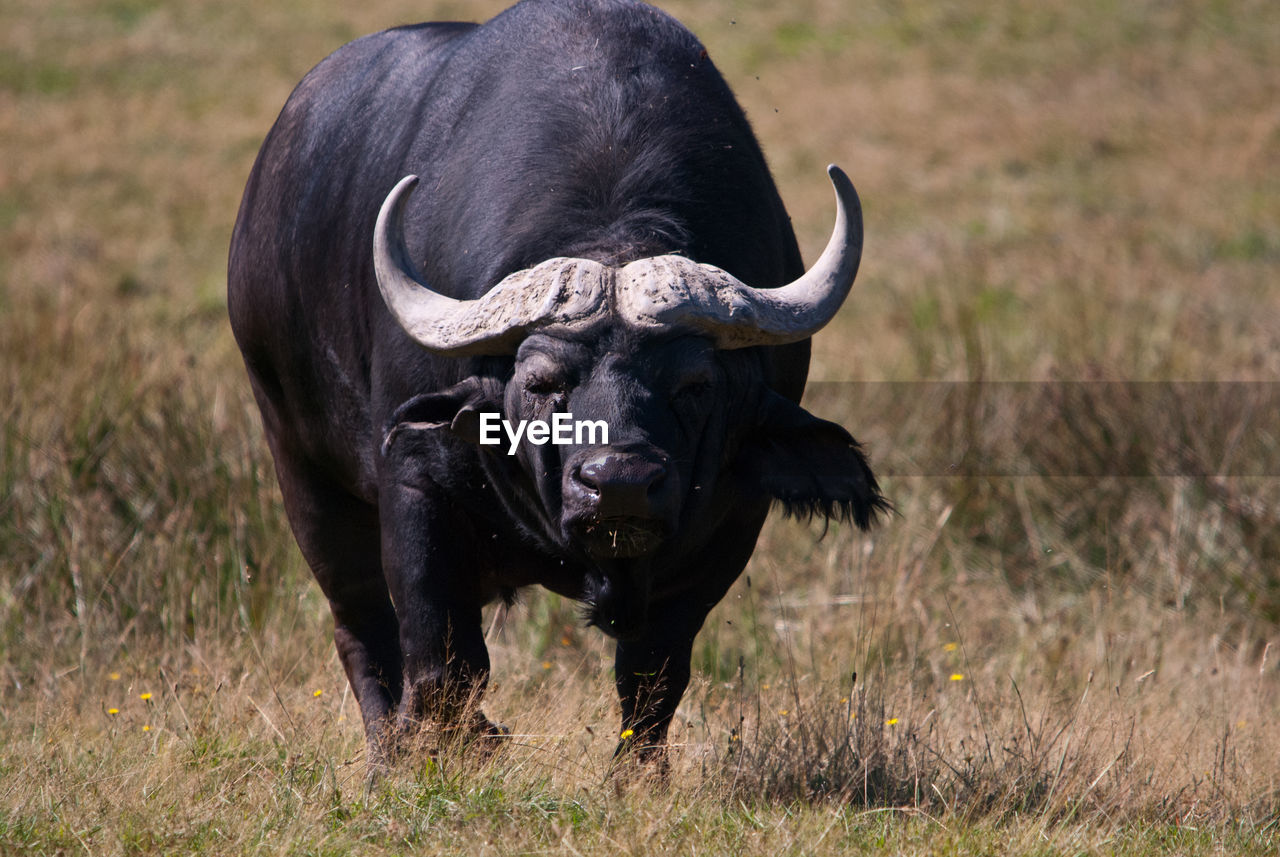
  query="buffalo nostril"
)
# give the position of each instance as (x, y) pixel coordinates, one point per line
(623, 484)
(586, 476)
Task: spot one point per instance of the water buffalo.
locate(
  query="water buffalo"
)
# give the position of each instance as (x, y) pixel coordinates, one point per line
(595, 234)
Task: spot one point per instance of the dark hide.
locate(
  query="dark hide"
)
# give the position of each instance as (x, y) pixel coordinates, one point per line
(580, 128)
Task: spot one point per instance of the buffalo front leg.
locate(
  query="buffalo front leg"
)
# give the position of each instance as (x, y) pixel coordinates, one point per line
(431, 573)
(652, 673)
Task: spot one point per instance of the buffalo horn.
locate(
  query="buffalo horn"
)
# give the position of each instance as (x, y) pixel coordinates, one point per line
(672, 291)
(558, 294)
(659, 293)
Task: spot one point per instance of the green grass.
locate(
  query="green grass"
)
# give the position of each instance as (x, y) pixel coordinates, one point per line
(1044, 664)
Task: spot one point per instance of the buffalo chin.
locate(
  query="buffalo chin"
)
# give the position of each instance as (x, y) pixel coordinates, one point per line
(616, 538)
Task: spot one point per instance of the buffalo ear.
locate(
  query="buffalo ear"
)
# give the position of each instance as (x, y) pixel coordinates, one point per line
(456, 409)
(811, 466)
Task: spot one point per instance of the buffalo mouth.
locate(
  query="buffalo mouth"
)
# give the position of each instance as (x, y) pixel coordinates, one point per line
(616, 538)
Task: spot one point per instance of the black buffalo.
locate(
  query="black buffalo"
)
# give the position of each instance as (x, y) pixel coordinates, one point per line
(595, 232)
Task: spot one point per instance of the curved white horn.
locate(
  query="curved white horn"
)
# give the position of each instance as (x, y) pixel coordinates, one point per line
(672, 290)
(824, 287)
(564, 293)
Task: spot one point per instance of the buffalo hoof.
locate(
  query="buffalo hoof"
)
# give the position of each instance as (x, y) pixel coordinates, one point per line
(484, 736)
(412, 740)
(475, 734)
(637, 763)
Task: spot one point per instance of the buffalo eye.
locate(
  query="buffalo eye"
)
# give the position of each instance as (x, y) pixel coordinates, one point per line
(543, 391)
(688, 401)
(691, 388)
(540, 385)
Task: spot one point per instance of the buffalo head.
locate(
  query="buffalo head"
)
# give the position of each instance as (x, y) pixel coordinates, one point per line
(666, 353)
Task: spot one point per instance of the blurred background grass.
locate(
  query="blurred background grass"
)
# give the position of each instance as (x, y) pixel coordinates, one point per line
(1054, 191)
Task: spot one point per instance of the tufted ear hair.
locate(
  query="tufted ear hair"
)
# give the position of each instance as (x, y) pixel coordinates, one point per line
(811, 466)
(456, 409)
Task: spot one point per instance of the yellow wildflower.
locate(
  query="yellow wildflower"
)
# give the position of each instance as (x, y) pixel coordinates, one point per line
(627, 733)
(892, 721)
(113, 711)
(957, 676)
(318, 692)
(950, 647)
(144, 696)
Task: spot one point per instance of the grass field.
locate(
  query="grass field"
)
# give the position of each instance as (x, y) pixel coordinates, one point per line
(1075, 658)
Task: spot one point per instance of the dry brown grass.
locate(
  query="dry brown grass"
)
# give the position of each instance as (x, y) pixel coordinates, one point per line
(1054, 192)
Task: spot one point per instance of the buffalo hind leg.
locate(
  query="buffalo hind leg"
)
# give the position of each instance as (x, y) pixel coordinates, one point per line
(338, 536)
